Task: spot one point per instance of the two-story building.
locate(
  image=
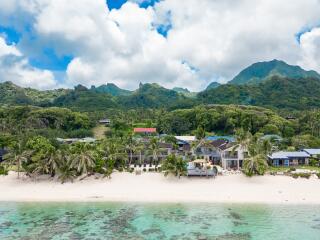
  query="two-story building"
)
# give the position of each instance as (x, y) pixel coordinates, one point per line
(232, 155)
(210, 150)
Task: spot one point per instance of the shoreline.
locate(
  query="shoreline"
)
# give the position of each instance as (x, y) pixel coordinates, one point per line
(155, 188)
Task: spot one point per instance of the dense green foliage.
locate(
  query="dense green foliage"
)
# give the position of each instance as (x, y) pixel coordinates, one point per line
(280, 93)
(49, 122)
(174, 165)
(13, 94)
(111, 89)
(223, 119)
(213, 85)
(274, 93)
(261, 71)
(82, 99)
(155, 96)
(256, 161)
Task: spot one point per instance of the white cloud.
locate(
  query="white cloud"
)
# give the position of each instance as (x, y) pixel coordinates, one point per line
(218, 38)
(15, 68)
(310, 44)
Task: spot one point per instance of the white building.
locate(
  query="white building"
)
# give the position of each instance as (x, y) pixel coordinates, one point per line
(232, 156)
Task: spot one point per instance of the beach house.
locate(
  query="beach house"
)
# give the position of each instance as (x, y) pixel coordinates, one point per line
(313, 152)
(105, 121)
(232, 155)
(184, 144)
(145, 131)
(289, 158)
(210, 150)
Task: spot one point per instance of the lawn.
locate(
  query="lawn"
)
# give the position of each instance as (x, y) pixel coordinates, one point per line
(99, 131)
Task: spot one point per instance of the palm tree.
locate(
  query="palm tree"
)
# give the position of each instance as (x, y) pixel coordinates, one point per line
(155, 148)
(113, 151)
(82, 158)
(18, 155)
(65, 172)
(255, 165)
(132, 146)
(46, 161)
(174, 165)
(139, 148)
(256, 162)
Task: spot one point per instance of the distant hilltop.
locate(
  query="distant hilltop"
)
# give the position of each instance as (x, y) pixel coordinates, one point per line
(273, 84)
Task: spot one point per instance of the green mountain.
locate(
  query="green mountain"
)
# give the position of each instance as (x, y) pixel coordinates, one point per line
(268, 88)
(261, 71)
(83, 99)
(181, 90)
(111, 89)
(213, 85)
(276, 92)
(13, 94)
(152, 95)
(185, 92)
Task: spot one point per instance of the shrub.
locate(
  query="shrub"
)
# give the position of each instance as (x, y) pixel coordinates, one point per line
(144, 170)
(295, 175)
(314, 162)
(80, 133)
(292, 169)
(3, 170)
(318, 175)
(302, 175)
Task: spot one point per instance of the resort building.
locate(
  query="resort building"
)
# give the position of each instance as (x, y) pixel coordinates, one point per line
(227, 138)
(210, 150)
(289, 158)
(184, 148)
(314, 153)
(75, 140)
(105, 122)
(232, 155)
(188, 139)
(146, 131)
(145, 156)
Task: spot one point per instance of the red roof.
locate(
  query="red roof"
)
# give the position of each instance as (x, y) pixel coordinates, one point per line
(145, 130)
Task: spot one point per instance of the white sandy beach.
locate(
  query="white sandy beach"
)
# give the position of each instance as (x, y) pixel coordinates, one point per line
(153, 187)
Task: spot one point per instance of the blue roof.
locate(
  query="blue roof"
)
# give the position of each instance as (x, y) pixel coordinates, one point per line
(229, 138)
(287, 155)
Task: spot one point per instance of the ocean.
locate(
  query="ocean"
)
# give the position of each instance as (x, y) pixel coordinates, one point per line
(158, 221)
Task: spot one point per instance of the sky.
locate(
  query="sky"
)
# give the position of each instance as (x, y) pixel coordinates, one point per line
(47, 44)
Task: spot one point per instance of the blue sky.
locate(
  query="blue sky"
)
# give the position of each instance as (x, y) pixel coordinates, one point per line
(54, 43)
(45, 57)
(116, 4)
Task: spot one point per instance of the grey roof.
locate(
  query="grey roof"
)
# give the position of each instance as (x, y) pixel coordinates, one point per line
(228, 145)
(312, 151)
(286, 155)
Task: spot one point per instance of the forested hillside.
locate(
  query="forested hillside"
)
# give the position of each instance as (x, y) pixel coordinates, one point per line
(275, 85)
(262, 71)
(276, 93)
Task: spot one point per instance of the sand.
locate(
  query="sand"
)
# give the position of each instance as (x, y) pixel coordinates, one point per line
(154, 187)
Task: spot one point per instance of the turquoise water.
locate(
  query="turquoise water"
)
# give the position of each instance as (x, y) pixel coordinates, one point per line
(157, 221)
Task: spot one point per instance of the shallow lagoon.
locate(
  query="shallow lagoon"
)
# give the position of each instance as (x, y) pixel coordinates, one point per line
(157, 221)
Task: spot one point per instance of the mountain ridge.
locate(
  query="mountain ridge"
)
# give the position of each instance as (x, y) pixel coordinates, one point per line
(261, 71)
